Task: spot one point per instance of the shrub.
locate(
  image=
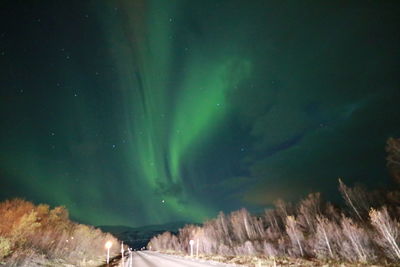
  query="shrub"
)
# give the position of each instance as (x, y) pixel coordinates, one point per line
(29, 233)
(5, 247)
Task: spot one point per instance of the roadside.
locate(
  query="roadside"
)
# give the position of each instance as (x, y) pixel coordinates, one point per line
(260, 261)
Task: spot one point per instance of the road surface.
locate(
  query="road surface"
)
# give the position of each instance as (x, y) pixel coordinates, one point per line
(154, 259)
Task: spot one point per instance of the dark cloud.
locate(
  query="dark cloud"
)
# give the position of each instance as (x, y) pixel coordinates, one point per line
(322, 100)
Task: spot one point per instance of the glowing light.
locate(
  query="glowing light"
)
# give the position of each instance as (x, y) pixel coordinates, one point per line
(108, 244)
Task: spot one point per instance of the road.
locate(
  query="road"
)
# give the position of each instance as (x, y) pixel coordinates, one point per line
(154, 259)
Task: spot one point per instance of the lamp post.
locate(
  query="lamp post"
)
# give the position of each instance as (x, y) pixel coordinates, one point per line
(122, 253)
(108, 246)
(191, 243)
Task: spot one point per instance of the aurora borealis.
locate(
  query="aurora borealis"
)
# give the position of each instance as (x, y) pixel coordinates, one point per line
(138, 112)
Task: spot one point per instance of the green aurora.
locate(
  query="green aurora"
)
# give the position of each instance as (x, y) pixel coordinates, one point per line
(171, 129)
(145, 112)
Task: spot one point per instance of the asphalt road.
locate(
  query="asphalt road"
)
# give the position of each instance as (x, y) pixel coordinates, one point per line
(154, 259)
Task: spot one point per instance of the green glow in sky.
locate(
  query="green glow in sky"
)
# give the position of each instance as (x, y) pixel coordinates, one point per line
(138, 112)
(168, 124)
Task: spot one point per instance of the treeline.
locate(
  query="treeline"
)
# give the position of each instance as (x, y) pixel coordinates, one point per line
(33, 235)
(365, 231)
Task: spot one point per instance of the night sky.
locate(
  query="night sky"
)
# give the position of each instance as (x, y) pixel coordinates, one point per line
(138, 112)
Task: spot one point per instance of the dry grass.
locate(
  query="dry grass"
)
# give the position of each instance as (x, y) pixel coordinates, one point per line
(263, 261)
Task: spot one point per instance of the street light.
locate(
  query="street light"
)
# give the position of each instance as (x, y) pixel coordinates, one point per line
(191, 243)
(122, 253)
(108, 246)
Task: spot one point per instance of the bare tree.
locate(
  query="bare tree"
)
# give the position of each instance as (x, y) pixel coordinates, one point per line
(309, 209)
(241, 224)
(274, 229)
(283, 209)
(388, 232)
(224, 229)
(332, 212)
(358, 240)
(295, 235)
(356, 199)
(259, 227)
(327, 238)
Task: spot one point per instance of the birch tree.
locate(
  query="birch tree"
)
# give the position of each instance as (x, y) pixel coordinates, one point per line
(388, 232)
